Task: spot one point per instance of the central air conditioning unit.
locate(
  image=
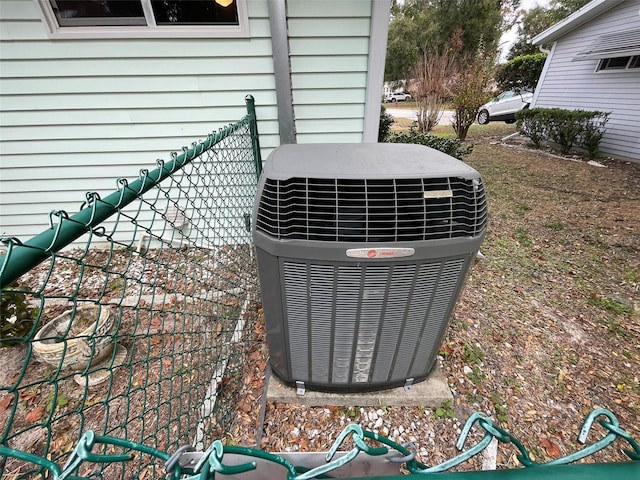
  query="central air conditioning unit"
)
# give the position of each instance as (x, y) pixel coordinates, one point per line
(362, 251)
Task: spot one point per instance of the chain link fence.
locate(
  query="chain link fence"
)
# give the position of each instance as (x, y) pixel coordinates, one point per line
(133, 316)
(127, 330)
(371, 456)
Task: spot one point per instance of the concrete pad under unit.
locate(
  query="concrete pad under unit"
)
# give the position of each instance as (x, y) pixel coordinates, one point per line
(431, 392)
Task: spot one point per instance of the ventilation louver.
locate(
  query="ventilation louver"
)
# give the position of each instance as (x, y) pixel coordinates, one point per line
(362, 252)
(382, 210)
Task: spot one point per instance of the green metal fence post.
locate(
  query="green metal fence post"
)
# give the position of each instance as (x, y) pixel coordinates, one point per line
(253, 127)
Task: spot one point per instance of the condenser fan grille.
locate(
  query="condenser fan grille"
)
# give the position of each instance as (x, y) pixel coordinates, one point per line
(366, 210)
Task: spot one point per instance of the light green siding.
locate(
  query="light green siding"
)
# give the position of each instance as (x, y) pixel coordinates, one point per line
(329, 48)
(76, 114)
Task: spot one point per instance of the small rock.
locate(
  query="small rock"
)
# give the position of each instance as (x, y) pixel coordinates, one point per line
(378, 423)
(593, 163)
(467, 370)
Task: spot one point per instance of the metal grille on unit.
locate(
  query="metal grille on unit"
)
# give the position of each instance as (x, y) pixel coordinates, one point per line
(381, 210)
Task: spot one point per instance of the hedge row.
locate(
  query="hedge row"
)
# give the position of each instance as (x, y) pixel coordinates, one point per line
(450, 146)
(567, 128)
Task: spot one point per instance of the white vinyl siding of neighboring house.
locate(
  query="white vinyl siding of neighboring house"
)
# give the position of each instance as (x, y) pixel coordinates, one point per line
(575, 84)
(76, 114)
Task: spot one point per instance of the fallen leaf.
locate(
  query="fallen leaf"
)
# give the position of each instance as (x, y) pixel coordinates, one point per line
(35, 414)
(304, 444)
(446, 350)
(551, 448)
(222, 383)
(156, 323)
(25, 396)
(6, 402)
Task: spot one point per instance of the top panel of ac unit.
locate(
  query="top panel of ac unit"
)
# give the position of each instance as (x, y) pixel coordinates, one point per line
(363, 160)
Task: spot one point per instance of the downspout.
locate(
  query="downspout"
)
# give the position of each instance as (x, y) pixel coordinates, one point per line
(282, 70)
(375, 68)
(544, 50)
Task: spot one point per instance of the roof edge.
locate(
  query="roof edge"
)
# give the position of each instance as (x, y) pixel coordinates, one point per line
(588, 12)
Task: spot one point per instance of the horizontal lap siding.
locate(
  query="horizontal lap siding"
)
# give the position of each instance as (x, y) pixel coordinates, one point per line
(77, 114)
(576, 85)
(329, 89)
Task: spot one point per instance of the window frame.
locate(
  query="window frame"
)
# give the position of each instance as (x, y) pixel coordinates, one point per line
(151, 30)
(633, 63)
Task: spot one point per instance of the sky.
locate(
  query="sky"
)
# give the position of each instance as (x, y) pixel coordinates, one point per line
(509, 37)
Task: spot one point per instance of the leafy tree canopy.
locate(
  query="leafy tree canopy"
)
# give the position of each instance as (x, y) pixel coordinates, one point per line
(521, 73)
(419, 26)
(537, 20)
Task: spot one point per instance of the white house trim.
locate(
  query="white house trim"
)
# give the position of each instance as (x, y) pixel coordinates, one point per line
(543, 74)
(375, 75)
(151, 30)
(589, 11)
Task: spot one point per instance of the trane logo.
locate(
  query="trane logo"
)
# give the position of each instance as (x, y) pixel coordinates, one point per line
(380, 252)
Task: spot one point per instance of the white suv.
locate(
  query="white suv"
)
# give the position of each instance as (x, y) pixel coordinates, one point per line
(397, 97)
(504, 107)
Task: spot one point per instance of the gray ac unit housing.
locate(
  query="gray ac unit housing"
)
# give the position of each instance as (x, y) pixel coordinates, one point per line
(362, 251)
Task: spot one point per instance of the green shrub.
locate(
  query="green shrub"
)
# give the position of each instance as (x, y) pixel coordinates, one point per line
(521, 73)
(17, 318)
(532, 123)
(565, 127)
(592, 134)
(386, 120)
(450, 146)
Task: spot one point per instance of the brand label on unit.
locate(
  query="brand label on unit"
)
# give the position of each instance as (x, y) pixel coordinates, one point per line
(438, 194)
(380, 252)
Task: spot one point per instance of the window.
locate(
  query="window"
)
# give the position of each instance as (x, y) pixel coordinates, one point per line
(619, 63)
(145, 18)
(504, 96)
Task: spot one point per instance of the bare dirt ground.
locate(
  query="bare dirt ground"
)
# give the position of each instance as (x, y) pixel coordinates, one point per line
(175, 333)
(547, 328)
